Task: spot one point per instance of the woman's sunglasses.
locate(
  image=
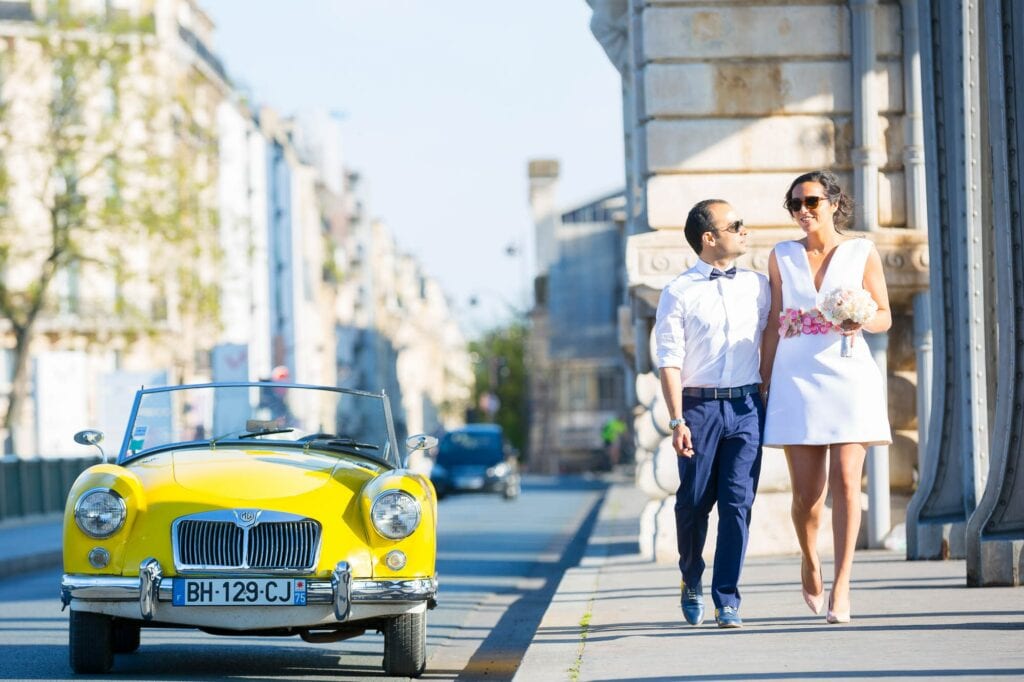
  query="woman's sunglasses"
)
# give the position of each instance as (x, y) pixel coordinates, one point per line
(794, 205)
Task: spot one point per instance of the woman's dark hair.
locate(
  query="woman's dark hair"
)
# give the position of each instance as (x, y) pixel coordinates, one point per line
(699, 221)
(836, 196)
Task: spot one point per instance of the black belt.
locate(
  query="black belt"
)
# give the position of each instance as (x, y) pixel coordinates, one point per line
(720, 393)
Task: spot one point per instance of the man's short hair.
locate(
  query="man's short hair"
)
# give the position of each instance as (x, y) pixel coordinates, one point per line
(699, 221)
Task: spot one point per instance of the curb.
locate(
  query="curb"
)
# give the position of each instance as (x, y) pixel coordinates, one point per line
(559, 645)
(12, 566)
(31, 543)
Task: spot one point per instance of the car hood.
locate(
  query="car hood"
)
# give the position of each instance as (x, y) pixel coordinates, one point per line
(253, 474)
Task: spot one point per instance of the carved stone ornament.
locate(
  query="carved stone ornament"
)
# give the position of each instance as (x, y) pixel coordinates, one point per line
(653, 259)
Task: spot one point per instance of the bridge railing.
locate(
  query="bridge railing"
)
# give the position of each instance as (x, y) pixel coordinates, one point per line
(37, 485)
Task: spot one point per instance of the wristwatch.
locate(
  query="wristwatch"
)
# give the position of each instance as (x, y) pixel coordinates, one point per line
(678, 421)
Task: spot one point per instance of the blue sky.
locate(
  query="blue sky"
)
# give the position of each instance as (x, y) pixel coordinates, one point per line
(444, 102)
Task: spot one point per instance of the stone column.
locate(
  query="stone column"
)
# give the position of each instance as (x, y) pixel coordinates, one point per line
(957, 454)
(866, 156)
(928, 538)
(995, 532)
(717, 109)
(913, 122)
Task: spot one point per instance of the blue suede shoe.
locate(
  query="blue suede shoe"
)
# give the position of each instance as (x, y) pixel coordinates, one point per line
(728, 617)
(692, 601)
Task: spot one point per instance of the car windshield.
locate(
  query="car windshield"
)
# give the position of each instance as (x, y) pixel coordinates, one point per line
(459, 447)
(333, 419)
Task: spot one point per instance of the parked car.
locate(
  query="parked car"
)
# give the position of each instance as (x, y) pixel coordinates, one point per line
(252, 508)
(475, 458)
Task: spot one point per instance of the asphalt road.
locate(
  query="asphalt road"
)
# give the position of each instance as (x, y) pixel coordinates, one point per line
(498, 564)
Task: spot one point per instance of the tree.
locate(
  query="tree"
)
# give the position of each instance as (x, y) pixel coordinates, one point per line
(98, 184)
(500, 370)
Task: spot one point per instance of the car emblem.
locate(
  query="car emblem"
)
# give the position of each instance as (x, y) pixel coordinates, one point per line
(245, 518)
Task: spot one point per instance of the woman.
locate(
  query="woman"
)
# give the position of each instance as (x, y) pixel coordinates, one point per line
(820, 402)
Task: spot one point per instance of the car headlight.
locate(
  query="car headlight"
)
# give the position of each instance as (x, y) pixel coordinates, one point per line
(100, 512)
(498, 470)
(395, 514)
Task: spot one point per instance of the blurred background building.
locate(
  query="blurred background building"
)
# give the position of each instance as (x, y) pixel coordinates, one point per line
(184, 235)
(578, 373)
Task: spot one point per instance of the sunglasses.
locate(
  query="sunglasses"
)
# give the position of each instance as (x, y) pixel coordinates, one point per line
(794, 204)
(731, 227)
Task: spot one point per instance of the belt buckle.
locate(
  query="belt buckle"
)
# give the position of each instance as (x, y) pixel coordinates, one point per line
(724, 394)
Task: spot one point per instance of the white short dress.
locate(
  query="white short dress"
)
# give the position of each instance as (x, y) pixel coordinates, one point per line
(817, 396)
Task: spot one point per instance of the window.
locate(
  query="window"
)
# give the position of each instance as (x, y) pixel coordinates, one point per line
(67, 289)
(113, 197)
(110, 98)
(610, 389)
(575, 391)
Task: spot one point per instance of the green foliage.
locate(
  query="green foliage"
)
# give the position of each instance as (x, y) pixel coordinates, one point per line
(500, 368)
(62, 14)
(104, 187)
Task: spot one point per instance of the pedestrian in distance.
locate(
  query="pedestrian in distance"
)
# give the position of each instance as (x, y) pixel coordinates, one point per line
(825, 401)
(708, 337)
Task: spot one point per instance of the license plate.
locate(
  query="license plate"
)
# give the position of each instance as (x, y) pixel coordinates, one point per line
(239, 592)
(469, 482)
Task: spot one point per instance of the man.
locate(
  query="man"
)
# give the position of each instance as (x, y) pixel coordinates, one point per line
(708, 335)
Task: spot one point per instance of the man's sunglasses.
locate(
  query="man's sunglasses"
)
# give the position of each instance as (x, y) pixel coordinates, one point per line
(794, 204)
(731, 227)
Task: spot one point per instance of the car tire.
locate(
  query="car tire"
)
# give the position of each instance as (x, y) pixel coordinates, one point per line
(405, 645)
(126, 636)
(90, 642)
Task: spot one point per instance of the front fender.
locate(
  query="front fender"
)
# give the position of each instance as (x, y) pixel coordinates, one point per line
(420, 547)
(77, 544)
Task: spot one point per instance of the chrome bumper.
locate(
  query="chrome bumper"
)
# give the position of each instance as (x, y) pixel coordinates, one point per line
(151, 587)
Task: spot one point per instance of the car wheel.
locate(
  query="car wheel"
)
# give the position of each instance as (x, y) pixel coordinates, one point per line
(405, 645)
(90, 642)
(126, 636)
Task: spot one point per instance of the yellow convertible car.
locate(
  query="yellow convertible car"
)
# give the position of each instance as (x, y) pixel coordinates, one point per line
(252, 508)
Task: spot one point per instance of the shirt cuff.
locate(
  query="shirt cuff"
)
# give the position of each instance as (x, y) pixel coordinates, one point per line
(670, 361)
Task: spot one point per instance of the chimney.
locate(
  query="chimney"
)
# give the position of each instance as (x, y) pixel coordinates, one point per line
(543, 174)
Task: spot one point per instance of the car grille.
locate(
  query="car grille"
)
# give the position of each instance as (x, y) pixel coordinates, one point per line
(218, 541)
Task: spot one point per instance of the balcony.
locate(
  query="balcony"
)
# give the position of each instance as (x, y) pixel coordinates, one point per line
(200, 48)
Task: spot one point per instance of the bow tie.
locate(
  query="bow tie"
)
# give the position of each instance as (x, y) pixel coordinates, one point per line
(716, 273)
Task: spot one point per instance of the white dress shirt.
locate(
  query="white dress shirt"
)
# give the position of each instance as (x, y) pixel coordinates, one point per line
(711, 329)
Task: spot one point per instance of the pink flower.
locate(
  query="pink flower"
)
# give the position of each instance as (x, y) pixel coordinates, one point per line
(794, 322)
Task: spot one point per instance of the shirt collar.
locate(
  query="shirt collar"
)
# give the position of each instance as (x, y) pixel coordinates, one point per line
(705, 268)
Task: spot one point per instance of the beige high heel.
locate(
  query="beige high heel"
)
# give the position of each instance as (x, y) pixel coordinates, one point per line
(814, 602)
(832, 617)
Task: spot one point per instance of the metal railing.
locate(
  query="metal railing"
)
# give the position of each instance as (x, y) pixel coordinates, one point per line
(37, 485)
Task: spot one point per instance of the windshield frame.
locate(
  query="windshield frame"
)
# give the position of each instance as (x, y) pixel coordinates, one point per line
(393, 457)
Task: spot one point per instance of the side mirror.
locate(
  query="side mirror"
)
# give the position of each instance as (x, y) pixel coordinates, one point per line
(91, 437)
(421, 441)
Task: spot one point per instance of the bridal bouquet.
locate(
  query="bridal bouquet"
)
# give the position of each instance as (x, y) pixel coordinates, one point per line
(848, 305)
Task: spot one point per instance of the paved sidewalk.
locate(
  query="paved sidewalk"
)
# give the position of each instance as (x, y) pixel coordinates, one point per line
(30, 544)
(616, 617)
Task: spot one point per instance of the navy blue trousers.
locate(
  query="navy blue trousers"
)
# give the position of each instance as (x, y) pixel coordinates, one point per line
(724, 469)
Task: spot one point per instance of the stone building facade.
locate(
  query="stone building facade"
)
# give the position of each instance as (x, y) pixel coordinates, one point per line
(733, 100)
